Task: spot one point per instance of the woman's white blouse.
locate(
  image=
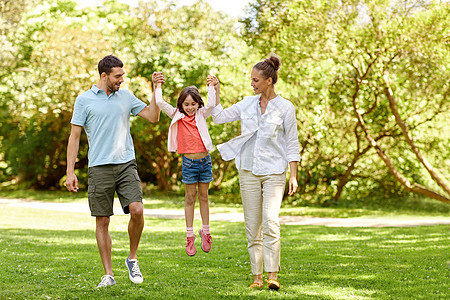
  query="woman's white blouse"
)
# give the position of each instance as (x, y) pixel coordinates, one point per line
(276, 133)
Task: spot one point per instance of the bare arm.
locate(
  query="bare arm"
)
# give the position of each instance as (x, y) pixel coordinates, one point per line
(293, 185)
(72, 151)
(151, 112)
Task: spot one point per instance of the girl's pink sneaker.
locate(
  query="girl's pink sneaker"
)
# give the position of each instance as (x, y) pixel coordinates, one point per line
(190, 246)
(206, 241)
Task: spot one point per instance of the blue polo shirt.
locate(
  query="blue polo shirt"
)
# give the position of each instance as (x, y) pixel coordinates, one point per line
(106, 121)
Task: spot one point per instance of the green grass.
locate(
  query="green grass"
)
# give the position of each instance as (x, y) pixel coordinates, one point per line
(53, 255)
(47, 196)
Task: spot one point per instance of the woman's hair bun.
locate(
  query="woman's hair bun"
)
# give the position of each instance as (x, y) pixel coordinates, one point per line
(269, 67)
(274, 60)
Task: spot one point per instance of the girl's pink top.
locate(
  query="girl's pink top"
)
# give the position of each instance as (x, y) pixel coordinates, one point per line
(188, 138)
(176, 115)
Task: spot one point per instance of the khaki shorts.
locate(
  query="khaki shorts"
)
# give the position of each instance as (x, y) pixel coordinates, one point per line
(104, 181)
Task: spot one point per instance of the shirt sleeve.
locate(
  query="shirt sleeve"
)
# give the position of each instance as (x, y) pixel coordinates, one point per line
(79, 113)
(292, 143)
(211, 101)
(137, 105)
(163, 105)
(230, 114)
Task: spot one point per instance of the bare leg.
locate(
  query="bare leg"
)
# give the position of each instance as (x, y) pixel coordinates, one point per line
(258, 279)
(203, 202)
(135, 227)
(272, 275)
(189, 204)
(104, 243)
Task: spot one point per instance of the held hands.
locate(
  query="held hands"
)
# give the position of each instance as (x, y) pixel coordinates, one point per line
(158, 79)
(212, 80)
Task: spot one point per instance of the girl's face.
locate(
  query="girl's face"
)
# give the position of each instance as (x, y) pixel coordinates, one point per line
(259, 84)
(190, 107)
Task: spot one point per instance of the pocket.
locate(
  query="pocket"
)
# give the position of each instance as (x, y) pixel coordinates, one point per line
(272, 125)
(187, 163)
(91, 189)
(208, 160)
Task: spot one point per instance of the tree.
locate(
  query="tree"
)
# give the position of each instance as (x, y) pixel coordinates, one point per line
(187, 44)
(339, 53)
(57, 49)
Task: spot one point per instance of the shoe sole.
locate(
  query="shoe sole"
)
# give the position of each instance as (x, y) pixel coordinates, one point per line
(274, 287)
(104, 286)
(131, 278)
(201, 245)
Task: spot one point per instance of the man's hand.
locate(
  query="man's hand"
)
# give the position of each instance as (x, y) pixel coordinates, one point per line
(72, 183)
(72, 151)
(212, 80)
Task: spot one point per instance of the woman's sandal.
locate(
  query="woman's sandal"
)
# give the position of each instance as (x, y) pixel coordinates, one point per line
(273, 284)
(256, 285)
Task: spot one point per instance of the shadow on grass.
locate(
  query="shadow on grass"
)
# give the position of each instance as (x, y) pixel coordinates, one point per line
(317, 263)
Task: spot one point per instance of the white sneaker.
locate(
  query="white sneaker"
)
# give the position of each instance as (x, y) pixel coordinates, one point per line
(106, 280)
(133, 270)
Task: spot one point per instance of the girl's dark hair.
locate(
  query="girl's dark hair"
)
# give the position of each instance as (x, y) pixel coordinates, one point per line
(107, 63)
(190, 90)
(269, 67)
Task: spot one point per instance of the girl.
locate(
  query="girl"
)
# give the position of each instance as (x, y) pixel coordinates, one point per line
(188, 135)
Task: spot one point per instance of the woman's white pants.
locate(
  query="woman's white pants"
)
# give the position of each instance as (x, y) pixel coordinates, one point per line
(261, 200)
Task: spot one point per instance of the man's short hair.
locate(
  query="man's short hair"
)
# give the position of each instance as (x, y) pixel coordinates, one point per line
(107, 63)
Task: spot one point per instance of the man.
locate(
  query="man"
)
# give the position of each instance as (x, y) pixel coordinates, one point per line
(104, 112)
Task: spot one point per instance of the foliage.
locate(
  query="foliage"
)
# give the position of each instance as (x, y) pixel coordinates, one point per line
(62, 44)
(58, 47)
(339, 54)
(337, 58)
(187, 44)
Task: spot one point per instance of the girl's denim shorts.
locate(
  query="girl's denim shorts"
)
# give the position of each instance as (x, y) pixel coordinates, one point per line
(197, 170)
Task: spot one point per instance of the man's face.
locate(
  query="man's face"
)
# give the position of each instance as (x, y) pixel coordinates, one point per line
(114, 79)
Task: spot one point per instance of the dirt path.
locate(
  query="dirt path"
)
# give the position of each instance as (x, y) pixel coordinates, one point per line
(239, 217)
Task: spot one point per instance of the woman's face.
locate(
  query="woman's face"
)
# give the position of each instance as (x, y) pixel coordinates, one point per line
(259, 83)
(190, 107)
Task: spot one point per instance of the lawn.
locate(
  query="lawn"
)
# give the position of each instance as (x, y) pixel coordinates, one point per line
(410, 207)
(53, 255)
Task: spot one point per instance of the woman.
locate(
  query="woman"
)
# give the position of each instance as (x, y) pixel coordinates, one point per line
(267, 144)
